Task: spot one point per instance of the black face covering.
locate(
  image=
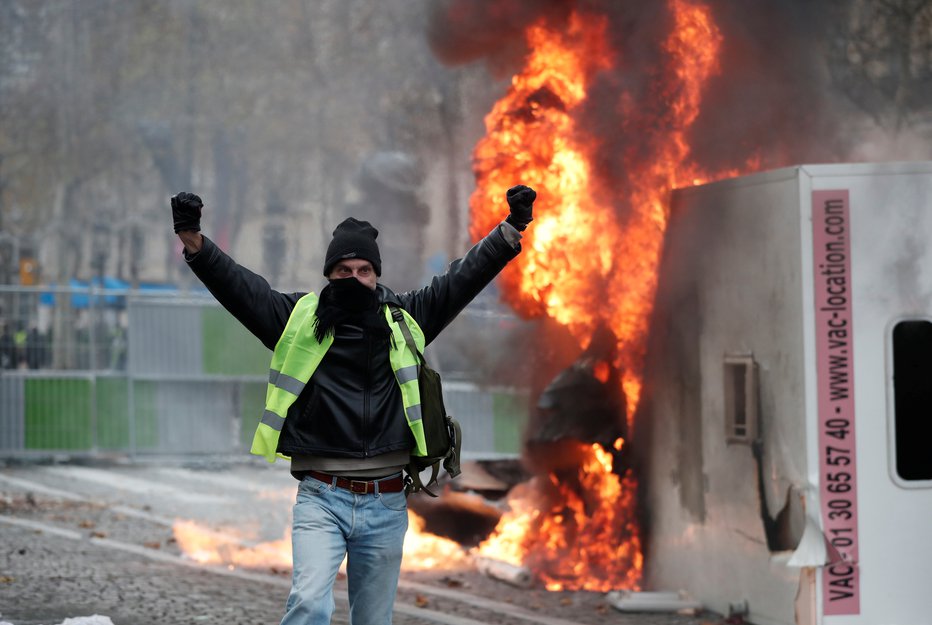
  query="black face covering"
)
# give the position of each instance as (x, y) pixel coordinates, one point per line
(347, 300)
(349, 294)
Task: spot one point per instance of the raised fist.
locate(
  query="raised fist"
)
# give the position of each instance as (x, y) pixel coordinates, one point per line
(520, 202)
(186, 211)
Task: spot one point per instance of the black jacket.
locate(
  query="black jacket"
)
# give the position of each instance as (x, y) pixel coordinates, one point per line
(352, 406)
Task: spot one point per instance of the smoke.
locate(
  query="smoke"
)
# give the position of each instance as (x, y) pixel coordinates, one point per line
(773, 102)
(462, 31)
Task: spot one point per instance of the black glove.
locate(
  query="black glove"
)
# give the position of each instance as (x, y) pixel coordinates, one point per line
(520, 201)
(186, 211)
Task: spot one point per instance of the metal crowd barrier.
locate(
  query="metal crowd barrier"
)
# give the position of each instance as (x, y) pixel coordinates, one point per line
(90, 371)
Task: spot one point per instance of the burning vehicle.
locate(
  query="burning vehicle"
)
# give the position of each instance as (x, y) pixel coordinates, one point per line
(774, 290)
(786, 391)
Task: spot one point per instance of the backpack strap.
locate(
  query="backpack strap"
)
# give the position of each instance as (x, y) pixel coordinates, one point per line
(451, 462)
(413, 483)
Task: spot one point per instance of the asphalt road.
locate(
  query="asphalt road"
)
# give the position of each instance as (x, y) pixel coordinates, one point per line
(79, 540)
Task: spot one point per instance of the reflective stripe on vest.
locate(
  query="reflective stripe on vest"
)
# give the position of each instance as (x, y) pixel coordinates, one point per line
(298, 354)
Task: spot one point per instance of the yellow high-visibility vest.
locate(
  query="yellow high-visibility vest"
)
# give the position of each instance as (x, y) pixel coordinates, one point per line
(298, 354)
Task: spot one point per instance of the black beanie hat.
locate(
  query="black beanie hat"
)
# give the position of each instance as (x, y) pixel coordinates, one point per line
(353, 239)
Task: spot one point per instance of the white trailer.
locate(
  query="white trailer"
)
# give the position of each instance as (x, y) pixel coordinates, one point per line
(787, 401)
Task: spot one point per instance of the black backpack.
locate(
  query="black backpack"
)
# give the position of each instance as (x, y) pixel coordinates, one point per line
(442, 432)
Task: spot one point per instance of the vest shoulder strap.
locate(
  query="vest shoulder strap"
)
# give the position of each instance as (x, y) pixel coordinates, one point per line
(406, 331)
(449, 430)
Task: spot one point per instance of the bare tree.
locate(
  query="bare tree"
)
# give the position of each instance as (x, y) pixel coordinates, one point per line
(880, 57)
(109, 106)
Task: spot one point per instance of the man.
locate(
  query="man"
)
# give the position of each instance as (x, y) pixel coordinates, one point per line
(339, 403)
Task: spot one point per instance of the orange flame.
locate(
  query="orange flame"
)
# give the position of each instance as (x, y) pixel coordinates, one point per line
(230, 547)
(428, 552)
(572, 541)
(233, 548)
(589, 258)
(577, 253)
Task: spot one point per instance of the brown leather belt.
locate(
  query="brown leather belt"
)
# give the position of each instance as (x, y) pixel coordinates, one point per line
(394, 484)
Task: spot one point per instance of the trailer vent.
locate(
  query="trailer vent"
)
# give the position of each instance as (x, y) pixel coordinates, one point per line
(912, 396)
(741, 398)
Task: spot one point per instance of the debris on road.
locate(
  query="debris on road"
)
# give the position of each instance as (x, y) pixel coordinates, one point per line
(662, 601)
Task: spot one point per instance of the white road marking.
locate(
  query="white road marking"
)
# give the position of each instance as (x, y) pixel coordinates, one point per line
(42, 489)
(41, 527)
(119, 481)
(30, 486)
(275, 486)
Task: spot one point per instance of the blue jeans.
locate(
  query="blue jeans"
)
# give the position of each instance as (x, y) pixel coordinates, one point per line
(331, 522)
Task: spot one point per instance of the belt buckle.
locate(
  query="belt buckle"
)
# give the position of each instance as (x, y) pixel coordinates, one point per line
(358, 487)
